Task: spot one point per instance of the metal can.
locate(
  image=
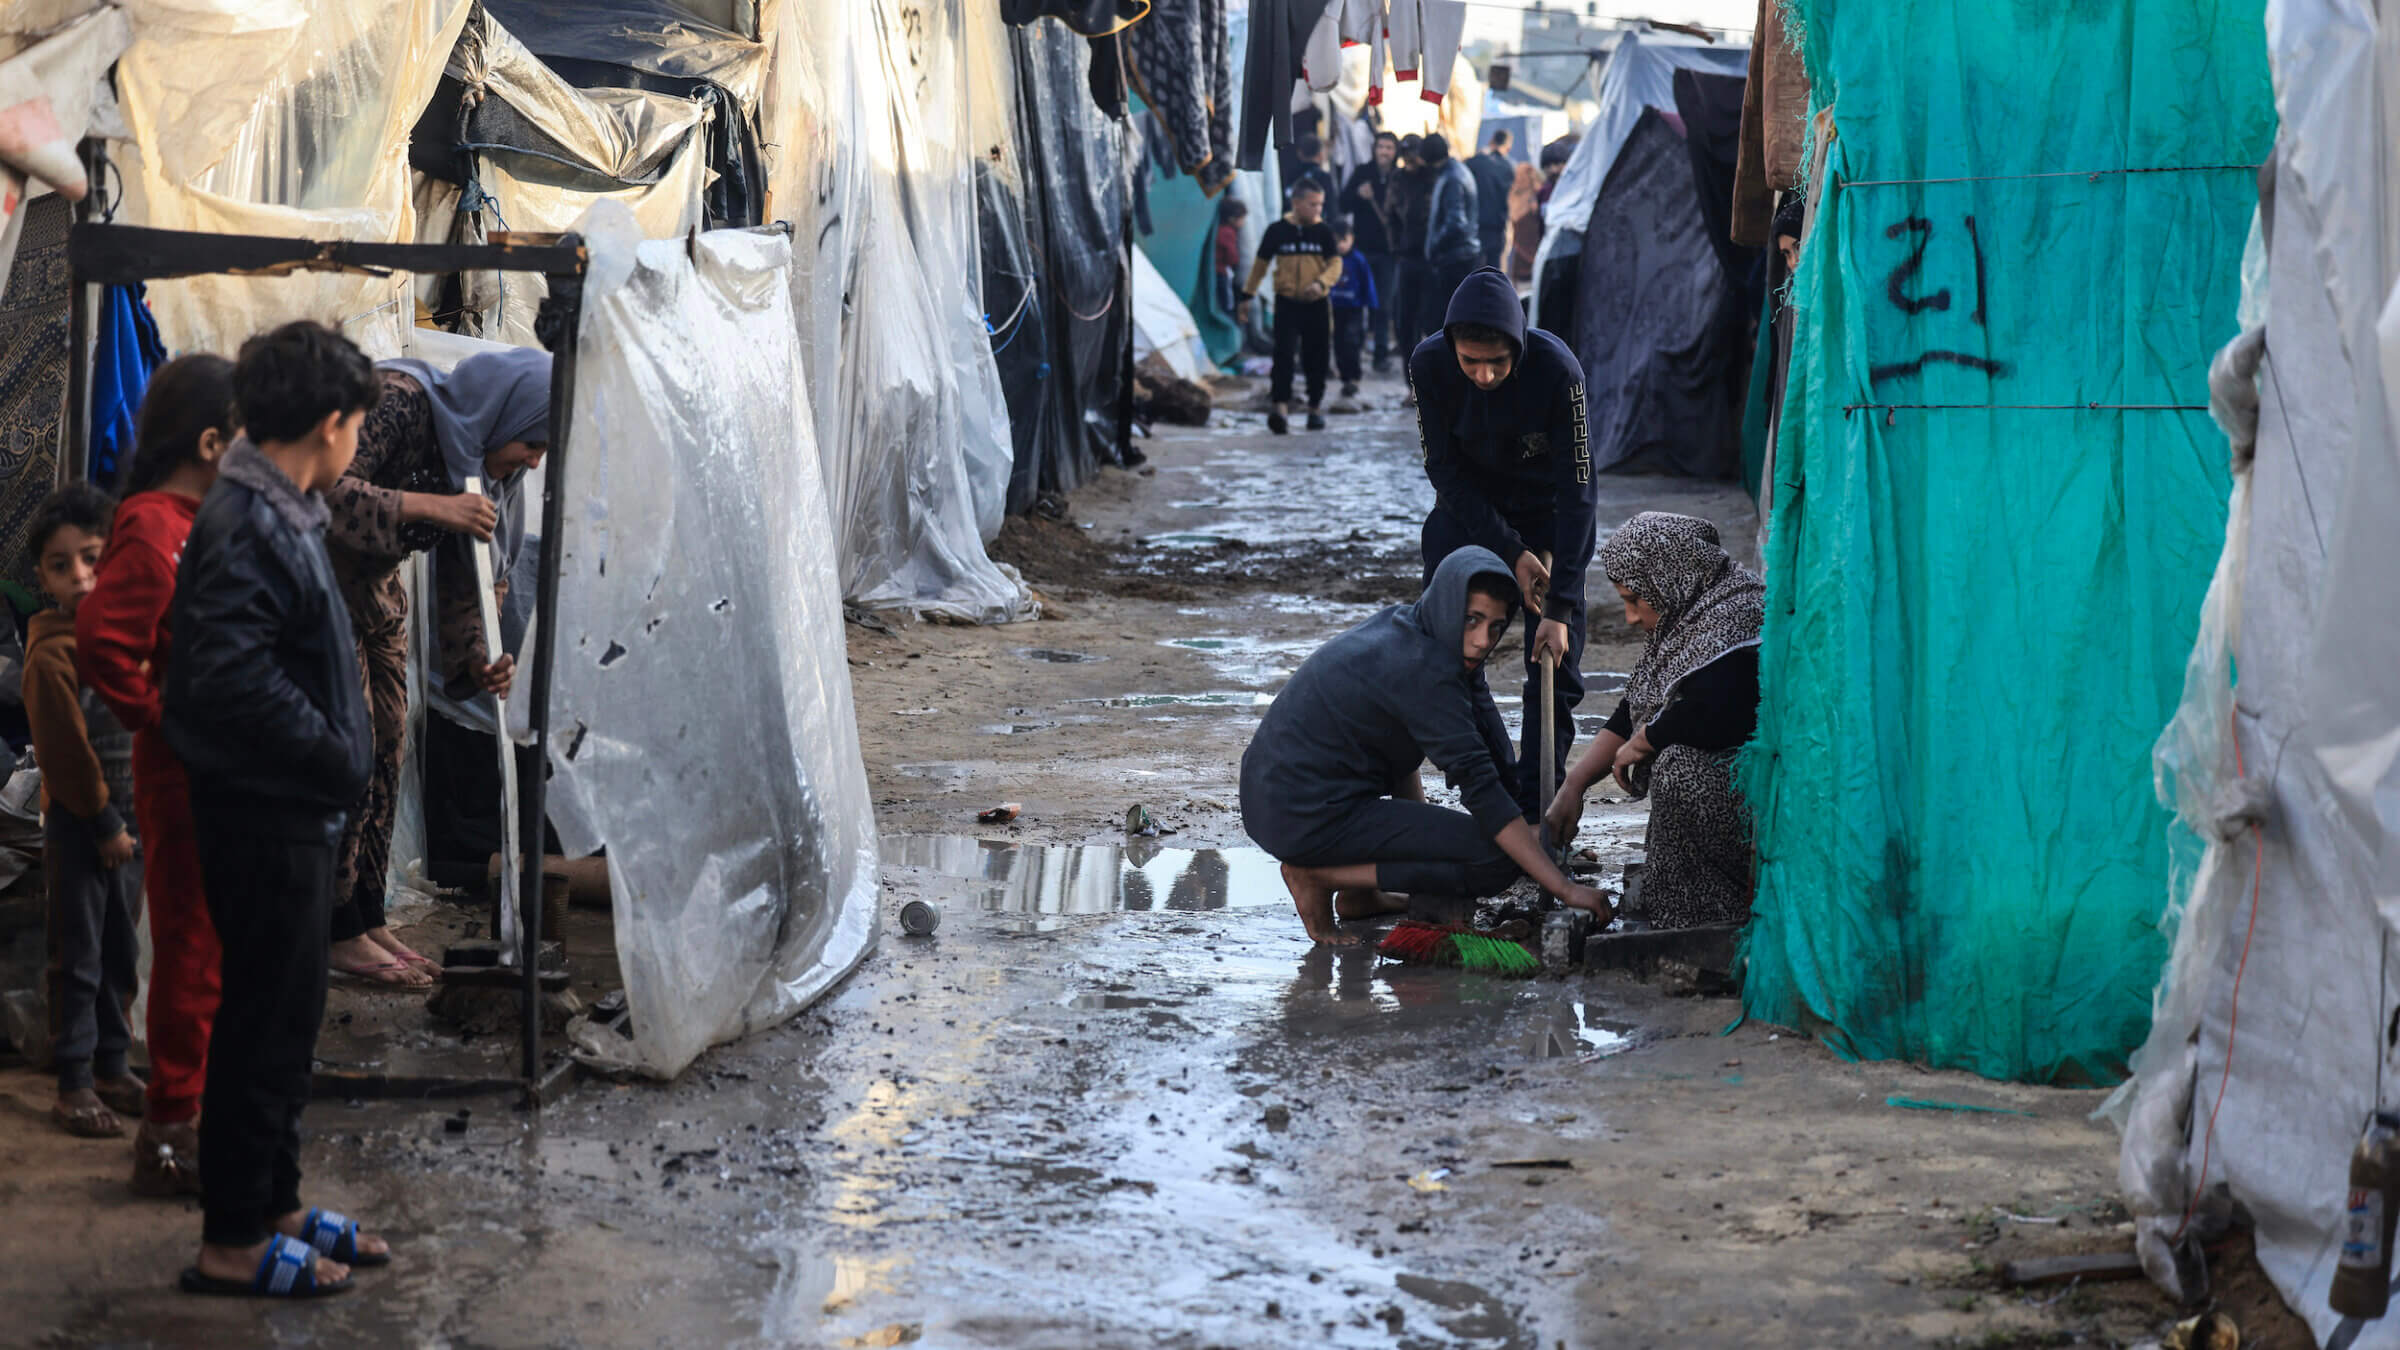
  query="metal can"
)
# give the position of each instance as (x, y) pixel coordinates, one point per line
(918, 919)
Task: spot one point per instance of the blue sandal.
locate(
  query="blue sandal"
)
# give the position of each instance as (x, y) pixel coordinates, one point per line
(336, 1237)
(288, 1270)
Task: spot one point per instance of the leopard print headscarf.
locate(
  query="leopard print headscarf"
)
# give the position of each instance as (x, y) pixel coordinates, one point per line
(1707, 603)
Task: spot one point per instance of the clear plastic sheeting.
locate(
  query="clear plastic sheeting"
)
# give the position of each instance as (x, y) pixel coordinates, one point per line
(279, 119)
(872, 118)
(702, 725)
(48, 92)
(2287, 772)
(1640, 74)
(662, 210)
(673, 38)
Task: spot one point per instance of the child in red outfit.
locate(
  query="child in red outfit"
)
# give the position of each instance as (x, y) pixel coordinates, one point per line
(187, 421)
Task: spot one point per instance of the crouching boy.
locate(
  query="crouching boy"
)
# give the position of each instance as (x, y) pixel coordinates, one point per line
(1330, 782)
(88, 852)
(265, 709)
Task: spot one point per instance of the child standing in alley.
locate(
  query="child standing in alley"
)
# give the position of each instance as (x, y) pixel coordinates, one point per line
(266, 711)
(88, 851)
(121, 648)
(1354, 302)
(1299, 248)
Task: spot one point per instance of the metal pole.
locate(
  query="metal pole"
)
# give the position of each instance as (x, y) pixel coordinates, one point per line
(566, 289)
(75, 455)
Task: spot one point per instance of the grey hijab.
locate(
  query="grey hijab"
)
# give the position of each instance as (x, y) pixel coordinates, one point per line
(1707, 603)
(483, 403)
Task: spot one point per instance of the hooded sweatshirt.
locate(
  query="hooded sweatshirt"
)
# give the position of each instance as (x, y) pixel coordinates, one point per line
(1451, 235)
(1513, 461)
(1368, 707)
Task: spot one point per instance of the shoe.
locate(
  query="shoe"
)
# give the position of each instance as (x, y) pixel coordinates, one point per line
(1383, 365)
(1349, 389)
(1277, 422)
(1316, 420)
(166, 1160)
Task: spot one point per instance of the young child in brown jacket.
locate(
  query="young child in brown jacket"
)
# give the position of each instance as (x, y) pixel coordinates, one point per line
(89, 853)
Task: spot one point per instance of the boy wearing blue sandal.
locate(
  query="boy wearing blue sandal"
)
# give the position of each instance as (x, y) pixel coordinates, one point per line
(265, 709)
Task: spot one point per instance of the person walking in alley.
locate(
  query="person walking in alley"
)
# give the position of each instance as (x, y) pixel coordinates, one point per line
(1690, 703)
(266, 712)
(1354, 299)
(1500, 413)
(1330, 782)
(1495, 176)
(90, 856)
(1410, 198)
(1452, 244)
(1367, 201)
(122, 650)
(1300, 250)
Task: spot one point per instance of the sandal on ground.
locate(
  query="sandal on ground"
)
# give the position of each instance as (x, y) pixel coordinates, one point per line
(407, 957)
(288, 1270)
(336, 1238)
(383, 974)
(95, 1121)
(127, 1096)
(166, 1161)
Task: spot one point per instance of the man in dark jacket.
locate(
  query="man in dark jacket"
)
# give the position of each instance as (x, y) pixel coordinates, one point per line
(1366, 199)
(1330, 783)
(1452, 246)
(264, 707)
(1411, 207)
(1500, 411)
(1495, 175)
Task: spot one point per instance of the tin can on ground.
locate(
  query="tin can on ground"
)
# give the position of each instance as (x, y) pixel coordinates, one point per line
(918, 919)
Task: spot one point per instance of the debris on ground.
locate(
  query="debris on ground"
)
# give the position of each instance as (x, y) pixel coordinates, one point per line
(1001, 814)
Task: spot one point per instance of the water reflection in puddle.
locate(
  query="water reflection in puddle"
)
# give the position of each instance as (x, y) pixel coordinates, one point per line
(1571, 1030)
(1057, 657)
(1248, 660)
(1215, 698)
(1063, 879)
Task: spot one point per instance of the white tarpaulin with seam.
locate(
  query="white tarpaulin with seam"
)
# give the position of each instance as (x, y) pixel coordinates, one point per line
(2290, 773)
(702, 724)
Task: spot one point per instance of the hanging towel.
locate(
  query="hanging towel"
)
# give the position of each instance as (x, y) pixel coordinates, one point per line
(126, 350)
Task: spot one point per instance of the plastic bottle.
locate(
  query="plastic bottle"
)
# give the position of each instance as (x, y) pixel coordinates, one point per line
(2362, 1280)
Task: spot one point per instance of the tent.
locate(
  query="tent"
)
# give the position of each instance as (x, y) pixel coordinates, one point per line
(1162, 324)
(1996, 510)
(2279, 759)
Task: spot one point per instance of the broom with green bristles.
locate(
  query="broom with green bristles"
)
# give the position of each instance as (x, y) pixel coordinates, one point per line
(1418, 943)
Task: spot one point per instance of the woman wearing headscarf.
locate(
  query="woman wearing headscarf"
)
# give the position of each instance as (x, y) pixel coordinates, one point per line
(488, 418)
(1690, 703)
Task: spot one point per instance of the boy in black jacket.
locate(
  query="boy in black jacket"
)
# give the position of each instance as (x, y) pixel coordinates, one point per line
(1300, 250)
(265, 709)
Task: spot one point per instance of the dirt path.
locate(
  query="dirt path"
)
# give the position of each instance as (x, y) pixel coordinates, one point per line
(1118, 1100)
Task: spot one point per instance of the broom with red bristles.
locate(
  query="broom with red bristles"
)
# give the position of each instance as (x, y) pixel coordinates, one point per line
(1417, 943)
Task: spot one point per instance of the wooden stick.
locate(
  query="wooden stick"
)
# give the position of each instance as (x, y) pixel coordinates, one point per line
(1549, 722)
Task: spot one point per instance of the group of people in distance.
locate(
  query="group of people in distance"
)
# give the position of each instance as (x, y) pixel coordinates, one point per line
(1331, 782)
(227, 658)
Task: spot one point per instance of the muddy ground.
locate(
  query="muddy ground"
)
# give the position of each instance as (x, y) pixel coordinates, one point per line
(1118, 1100)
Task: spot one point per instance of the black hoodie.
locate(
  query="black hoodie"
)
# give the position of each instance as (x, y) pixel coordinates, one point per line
(1364, 710)
(1507, 462)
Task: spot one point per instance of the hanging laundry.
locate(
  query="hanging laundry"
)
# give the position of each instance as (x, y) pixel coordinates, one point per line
(126, 350)
(1091, 18)
(1107, 76)
(1425, 36)
(1179, 63)
(1279, 33)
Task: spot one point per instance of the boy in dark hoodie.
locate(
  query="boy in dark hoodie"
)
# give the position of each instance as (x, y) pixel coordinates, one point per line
(265, 709)
(1500, 410)
(1330, 781)
(88, 847)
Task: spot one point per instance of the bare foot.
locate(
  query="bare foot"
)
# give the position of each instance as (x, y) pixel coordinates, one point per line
(81, 1113)
(1366, 903)
(241, 1263)
(402, 952)
(1315, 904)
(363, 958)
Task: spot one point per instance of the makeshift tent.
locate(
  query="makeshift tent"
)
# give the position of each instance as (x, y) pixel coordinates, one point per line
(1996, 511)
(740, 838)
(1640, 74)
(1161, 324)
(1661, 323)
(2280, 757)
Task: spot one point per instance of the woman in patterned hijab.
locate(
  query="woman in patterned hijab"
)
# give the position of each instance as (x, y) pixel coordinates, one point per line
(1690, 703)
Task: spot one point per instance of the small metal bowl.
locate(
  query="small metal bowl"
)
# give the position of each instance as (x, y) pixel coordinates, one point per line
(918, 919)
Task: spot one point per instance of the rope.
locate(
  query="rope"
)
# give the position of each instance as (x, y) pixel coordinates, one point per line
(2233, 1012)
(2035, 407)
(1097, 315)
(1024, 308)
(2091, 175)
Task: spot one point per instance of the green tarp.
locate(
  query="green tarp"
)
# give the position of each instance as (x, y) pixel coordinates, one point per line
(1978, 614)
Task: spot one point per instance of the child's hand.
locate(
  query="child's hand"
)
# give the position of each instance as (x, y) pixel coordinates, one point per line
(115, 853)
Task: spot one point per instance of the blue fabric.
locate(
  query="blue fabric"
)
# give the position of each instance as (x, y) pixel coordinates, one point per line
(1356, 289)
(126, 350)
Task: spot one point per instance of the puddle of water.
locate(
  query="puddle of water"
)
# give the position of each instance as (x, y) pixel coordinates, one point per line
(936, 772)
(1248, 660)
(1056, 656)
(1188, 539)
(1014, 728)
(1573, 1030)
(1063, 879)
(1217, 698)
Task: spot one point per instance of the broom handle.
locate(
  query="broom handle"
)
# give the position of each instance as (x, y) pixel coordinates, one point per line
(1549, 723)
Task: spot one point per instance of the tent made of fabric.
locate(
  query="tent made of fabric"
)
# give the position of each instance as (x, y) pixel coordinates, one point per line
(1162, 324)
(1980, 605)
(2287, 918)
(1661, 325)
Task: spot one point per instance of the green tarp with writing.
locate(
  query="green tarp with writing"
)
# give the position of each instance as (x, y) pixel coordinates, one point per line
(1978, 612)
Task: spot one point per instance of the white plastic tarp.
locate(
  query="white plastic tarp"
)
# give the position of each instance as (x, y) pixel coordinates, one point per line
(1162, 323)
(49, 85)
(869, 107)
(2299, 756)
(1640, 74)
(702, 725)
